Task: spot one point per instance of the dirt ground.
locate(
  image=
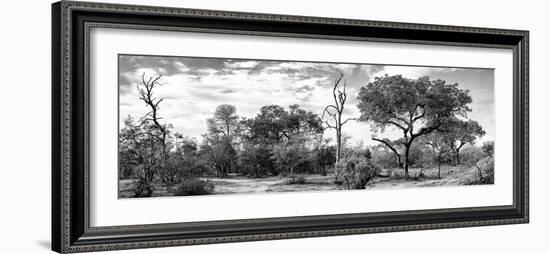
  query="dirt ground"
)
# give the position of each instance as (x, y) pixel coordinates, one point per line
(450, 176)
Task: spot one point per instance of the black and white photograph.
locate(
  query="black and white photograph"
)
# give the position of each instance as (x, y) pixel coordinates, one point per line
(246, 127)
(205, 126)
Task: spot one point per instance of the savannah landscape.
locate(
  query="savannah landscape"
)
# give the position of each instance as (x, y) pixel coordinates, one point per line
(418, 128)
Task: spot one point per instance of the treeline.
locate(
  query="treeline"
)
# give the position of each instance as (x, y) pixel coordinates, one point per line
(431, 114)
(277, 141)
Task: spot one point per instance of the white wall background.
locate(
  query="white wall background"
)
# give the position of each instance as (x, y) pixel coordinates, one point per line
(25, 125)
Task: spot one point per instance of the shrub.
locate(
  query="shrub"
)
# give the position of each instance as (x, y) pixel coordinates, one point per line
(384, 159)
(488, 148)
(296, 179)
(470, 155)
(486, 170)
(255, 160)
(143, 189)
(354, 172)
(194, 186)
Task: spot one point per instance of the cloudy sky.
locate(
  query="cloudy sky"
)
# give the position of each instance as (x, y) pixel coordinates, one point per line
(193, 87)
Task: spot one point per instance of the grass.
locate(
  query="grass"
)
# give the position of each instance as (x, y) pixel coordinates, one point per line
(450, 176)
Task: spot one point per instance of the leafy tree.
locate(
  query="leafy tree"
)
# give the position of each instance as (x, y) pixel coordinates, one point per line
(470, 155)
(225, 122)
(461, 132)
(223, 129)
(301, 122)
(438, 148)
(269, 124)
(325, 155)
(141, 146)
(186, 145)
(415, 107)
(284, 133)
(488, 148)
(288, 155)
(256, 159)
(219, 153)
(183, 161)
(276, 124)
(336, 110)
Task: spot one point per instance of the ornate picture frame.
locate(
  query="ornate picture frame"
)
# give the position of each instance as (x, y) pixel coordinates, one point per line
(71, 24)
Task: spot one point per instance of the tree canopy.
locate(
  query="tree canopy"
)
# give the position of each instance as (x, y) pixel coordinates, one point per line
(275, 123)
(461, 132)
(414, 106)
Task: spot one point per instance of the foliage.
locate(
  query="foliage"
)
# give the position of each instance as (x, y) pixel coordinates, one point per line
(324, 156)
(141, 148)
(438, 148)
(354, 172)
(143, 189)
(256, 160)
(194, 186)
(223, 129)
(288, 155)
(225, 121)
(414, 106)
(274, 123)
(471, 154)
(488, 148)
(459, 133)
(384, 158)
(486, 170)
(219, 153)
(282, 134)
(431, 114)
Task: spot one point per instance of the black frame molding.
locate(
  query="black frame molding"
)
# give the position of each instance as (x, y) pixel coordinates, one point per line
(71, 22)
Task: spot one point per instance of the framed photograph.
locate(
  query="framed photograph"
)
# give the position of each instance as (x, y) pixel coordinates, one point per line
(182, 126)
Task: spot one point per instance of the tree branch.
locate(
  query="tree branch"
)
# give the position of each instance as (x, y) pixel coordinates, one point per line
(387, 144)
(350, 119)
(425, 130)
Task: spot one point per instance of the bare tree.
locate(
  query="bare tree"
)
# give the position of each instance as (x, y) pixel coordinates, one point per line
(336, 110)
(158, 131)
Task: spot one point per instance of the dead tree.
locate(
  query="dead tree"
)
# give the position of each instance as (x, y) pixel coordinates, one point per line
(145, 90)
(336, 110)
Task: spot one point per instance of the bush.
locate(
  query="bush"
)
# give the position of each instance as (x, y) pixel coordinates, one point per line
(354, 172)
(384, 159)
(255, 160)
(294, 179)
(488, 148)
(486, 170)
(143, 189)
(194, 186)
(470, 155)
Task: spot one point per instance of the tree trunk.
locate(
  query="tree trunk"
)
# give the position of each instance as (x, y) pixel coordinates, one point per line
(399, 162)
(439, 170)
(407, 148)
(338, 144)
(480, 171)
(457, 156)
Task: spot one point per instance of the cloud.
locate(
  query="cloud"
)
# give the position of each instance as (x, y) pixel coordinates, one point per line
(228, 91)
(194, 87)
(241, 64)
